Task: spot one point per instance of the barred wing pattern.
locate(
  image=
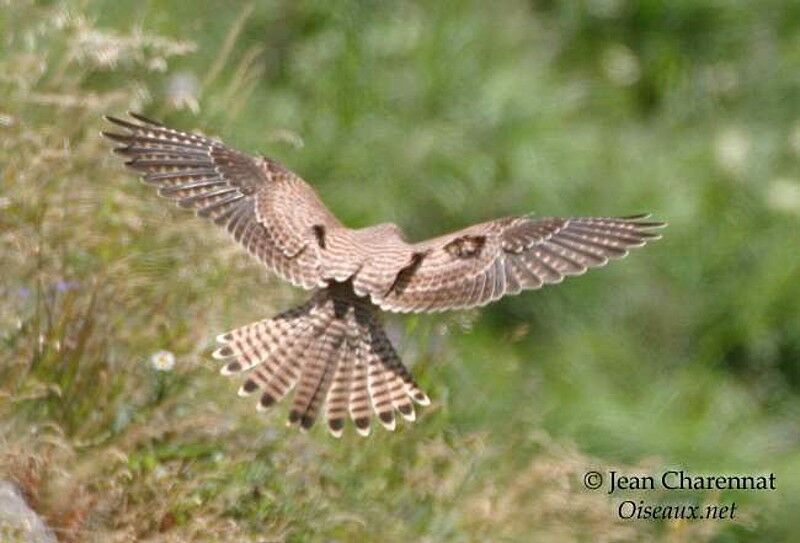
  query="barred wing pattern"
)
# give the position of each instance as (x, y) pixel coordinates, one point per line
(232, 189)
(485, 262)
(332, 352)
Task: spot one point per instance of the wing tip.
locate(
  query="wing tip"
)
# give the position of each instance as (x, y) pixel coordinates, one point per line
(142, 118)
(122, 122)
(636, 220)
(146, 121)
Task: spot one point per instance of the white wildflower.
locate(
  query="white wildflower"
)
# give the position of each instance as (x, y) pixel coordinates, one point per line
(163, 361)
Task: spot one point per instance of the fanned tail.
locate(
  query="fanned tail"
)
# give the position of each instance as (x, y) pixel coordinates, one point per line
(334, 353)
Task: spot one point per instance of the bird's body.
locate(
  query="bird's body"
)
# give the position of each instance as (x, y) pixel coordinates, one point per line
(332, 349)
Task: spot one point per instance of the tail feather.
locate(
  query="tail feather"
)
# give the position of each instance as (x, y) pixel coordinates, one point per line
(251, 345)
(339, 393)
(398, 392)
(278, 383)
(379, 394)
(394, 365)
(315, 378)
(359, 405)
(334, 353)
(334, 356)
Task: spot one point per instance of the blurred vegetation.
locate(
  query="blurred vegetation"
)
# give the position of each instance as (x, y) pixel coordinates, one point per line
(431, 115)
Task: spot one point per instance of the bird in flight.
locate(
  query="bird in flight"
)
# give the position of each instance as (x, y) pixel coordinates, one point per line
(332, 350)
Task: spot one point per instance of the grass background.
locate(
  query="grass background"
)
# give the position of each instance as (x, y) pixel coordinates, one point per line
(431, 115)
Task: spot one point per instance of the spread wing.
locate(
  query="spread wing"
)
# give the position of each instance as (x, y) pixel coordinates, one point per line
(264, 206)
(485, 262)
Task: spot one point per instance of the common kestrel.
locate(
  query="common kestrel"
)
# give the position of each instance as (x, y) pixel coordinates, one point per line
(333, 349)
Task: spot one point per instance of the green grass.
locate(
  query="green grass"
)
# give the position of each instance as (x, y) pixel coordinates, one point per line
(686, 354)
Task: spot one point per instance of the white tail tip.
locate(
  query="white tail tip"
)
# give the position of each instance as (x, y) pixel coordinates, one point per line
(217, 355)
(364, 432)
(421, 398)
(389, 425)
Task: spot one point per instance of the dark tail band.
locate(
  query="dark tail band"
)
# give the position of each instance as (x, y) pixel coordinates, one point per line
(333, 352)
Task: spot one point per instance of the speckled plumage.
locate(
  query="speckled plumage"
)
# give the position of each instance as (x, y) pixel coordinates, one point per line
(332, 350)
